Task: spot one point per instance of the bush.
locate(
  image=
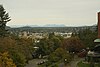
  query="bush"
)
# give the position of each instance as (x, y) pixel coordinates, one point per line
(19, 59)
(6, 61)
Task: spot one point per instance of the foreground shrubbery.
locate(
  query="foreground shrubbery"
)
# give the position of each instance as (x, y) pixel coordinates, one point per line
(81, 64)
(20, 50)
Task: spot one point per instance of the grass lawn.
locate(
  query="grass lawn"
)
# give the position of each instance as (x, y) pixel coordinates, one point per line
(80, 64)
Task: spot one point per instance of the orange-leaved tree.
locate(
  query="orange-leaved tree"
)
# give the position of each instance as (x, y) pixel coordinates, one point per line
(73, 44)
(6, 61)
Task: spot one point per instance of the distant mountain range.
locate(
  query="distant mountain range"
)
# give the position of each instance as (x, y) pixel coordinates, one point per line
(51, 28)
(47, 25)
(54, 25)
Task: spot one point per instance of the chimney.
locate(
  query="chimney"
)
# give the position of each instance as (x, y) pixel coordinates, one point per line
(98, 25)
(98, 39)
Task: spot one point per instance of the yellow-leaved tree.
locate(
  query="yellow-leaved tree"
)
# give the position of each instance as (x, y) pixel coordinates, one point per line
(6, 61)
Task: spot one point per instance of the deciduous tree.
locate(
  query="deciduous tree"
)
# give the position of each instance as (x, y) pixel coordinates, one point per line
(6, 61)
(73, 44)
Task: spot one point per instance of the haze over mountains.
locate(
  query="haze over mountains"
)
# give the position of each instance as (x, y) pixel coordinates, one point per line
(47, 25)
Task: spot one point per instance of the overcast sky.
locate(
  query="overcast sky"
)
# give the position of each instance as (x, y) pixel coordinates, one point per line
(41, 12)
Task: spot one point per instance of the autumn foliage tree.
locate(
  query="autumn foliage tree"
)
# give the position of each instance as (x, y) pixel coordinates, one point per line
(72, 44)
(19, 49)
(6, 61)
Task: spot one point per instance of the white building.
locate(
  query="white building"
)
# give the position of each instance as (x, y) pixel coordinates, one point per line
(65, 35)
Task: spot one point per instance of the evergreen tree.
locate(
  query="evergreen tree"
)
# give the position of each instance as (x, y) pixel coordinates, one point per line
(4, 18)
(87, 37)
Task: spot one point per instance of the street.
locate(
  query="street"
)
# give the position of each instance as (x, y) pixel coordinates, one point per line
(33, 63)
